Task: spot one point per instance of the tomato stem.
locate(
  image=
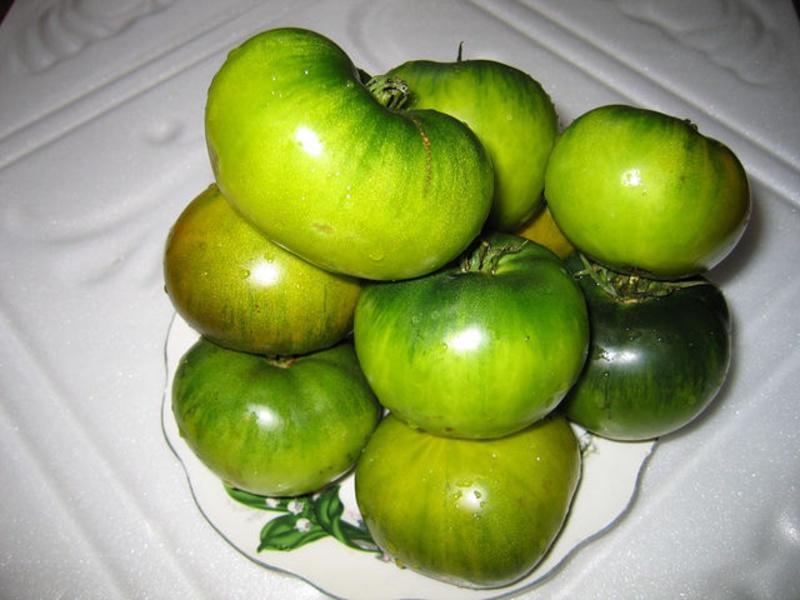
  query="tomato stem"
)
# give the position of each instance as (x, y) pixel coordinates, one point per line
(391, 92)
(629, 288)
(485, 257)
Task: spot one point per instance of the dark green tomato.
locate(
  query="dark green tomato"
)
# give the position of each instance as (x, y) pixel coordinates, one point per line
(236, 287)
(654, 364)
(511, 114)
(274, 427)
(476, 513)
(643, 192)
(309, 155)
(480, 349)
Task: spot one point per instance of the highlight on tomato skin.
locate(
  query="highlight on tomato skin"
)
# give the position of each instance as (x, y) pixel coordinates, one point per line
(643, 192)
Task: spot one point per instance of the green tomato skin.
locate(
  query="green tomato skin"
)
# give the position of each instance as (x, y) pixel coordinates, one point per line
(475, 513)
(643, 192)
(654, 365)
(240, 290)
(475, 351)
(308, 155)
(511, 114)
(274, 428)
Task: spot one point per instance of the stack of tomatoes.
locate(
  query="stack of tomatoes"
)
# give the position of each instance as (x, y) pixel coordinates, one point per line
(379, 285)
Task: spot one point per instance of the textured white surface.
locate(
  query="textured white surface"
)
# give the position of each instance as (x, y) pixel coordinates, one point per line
(101, 145)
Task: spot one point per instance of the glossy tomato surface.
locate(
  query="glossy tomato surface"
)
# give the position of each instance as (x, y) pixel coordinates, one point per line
(274, 427)
(308, 155)
(511, 114)
(477, 513)
(655, 363)
(477, 350)
(644, 192)
(239, 289)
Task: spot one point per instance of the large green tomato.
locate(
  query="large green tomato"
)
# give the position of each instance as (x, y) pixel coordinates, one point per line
(275, 427)
(480, 349)
(643, 192)
(242, 291)
(476, 513)
(510, 113)
(309, 155)
(656, 362)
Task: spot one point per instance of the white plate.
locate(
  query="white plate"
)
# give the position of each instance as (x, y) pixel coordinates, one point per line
(608, 484)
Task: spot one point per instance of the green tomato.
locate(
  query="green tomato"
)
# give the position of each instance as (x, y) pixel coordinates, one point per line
(476, 513)
(510, 113)
(314, 160)
(478, 350)
(275, 427)
(656, 362)
(643, 192)
(236, 287)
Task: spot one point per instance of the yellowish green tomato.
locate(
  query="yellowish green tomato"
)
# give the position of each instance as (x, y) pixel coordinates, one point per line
(476, 513)
(543, 230)
(643, 192)
(239, 289)
(311, 157)
(511, 114)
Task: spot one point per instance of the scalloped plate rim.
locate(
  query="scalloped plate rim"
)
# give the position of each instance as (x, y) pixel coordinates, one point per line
(178, 340)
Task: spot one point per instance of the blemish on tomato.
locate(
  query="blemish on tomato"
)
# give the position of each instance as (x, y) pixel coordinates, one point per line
(426, 142)
(323, 228)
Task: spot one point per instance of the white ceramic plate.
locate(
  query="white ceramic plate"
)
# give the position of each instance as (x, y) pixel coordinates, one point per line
(610, 476)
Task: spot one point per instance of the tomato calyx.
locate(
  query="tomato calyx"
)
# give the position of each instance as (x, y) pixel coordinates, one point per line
(485, 256)
(391, 92)
(630, 288)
